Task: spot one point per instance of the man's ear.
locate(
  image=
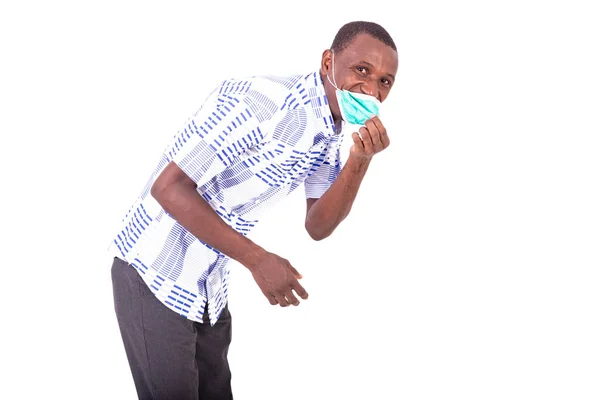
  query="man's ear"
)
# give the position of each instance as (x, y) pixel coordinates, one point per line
(326, 60)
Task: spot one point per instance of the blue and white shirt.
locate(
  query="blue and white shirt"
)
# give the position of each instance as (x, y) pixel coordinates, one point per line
(251, 143)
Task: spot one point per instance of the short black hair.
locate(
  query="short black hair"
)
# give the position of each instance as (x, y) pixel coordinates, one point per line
(349, 31)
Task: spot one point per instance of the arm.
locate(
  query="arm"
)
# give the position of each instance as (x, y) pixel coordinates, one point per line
(275, 276)
(323, 215)
(177, 195)
(210, 143)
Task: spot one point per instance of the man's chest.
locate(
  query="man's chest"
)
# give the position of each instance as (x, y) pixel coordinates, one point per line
(268, 172)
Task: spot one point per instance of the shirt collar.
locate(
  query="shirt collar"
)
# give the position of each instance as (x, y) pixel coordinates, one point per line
(320, 104)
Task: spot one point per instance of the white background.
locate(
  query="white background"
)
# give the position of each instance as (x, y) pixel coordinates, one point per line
(468, 269)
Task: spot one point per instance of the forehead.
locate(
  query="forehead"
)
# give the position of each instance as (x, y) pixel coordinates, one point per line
(365, 47)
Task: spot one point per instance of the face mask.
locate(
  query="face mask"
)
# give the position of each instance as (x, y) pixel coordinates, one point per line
(356, 108)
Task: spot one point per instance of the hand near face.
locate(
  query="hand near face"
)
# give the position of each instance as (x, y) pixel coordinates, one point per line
(374, 139)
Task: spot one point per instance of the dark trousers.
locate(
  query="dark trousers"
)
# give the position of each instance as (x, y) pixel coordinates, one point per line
(170, 356)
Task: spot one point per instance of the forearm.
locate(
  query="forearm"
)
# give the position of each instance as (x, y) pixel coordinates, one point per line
(186, 206)
(335, 205)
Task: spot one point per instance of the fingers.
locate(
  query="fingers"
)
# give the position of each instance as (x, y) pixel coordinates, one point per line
(297, 286)
(300, 290)
(291, 298)
(373, 134)
(357, 141)
(278, 280)
(373, 137)
(288, 297)
(378, 133)
(272, 299)
(297, 274)
(385, 139)
(366, 139)
(282, 300)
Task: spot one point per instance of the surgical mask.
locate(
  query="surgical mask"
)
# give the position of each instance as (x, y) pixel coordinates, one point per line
(356, 108)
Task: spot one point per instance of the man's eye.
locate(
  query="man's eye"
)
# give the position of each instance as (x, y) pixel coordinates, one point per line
(362, 70)
(386, 82)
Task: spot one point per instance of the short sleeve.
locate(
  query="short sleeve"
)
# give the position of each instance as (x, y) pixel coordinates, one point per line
(227, 125)
(319, 181)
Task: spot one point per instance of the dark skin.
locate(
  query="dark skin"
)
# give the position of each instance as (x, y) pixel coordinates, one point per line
(367, 66)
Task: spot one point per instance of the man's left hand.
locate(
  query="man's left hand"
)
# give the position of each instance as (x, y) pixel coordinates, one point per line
(374, 139)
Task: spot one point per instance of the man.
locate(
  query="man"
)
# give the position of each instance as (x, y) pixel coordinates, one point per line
(252, 142)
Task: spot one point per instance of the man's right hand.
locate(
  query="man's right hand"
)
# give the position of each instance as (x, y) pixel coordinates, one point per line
(278, 279)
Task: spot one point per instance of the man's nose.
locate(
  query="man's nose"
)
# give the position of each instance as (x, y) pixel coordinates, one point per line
(370, 89)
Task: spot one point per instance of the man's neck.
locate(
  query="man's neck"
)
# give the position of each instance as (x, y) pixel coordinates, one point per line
(331, 100)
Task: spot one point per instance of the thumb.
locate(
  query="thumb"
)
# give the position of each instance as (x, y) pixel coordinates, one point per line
(297, 274)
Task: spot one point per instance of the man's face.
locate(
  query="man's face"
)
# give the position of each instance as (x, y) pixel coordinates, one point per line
(366, 66)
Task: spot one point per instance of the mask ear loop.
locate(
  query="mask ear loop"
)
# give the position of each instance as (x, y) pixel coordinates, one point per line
(332, 71)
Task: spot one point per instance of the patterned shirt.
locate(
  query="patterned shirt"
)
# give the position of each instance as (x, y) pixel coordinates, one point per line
(251, 143)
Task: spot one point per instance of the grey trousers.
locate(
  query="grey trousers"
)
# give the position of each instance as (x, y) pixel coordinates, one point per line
(170, 356)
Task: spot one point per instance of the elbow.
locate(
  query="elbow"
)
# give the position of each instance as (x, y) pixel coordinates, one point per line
(170, 179)
(166, 182)
(315, 233)
(162, 191)
(156, 190)
(317, 237)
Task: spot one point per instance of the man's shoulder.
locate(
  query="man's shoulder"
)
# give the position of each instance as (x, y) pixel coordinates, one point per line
(268, 97)
(274, 87)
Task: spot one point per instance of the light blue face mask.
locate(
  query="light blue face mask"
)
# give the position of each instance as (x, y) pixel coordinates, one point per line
(356, 108)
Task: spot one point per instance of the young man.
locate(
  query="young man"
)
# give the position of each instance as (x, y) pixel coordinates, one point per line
(252, 142)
